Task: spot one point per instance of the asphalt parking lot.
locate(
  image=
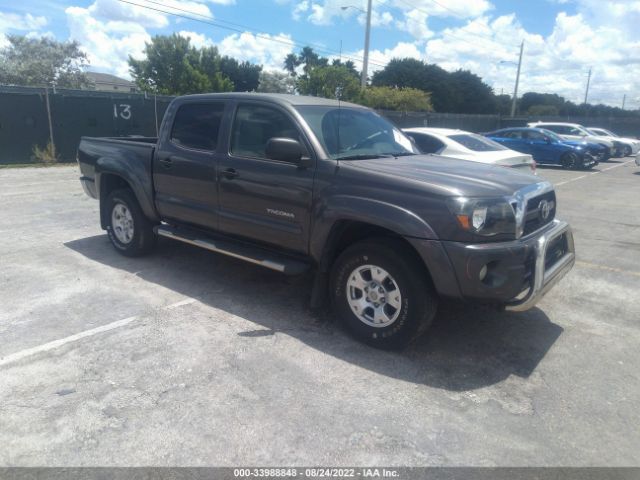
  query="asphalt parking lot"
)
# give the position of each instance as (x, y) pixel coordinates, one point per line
(189, 358)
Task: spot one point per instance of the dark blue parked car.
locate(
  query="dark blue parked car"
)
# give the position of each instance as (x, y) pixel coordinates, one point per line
(548, 148)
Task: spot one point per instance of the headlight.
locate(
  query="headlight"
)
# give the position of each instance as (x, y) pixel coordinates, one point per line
(484, 216)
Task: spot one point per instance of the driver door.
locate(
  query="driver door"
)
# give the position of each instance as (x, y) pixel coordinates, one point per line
(260, 199)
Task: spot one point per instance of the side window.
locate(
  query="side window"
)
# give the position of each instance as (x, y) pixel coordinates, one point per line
(255, 125)
(575, 131)
(555, 128)
(427, 143)
(537, 136)
(513, 134)
(197, 125)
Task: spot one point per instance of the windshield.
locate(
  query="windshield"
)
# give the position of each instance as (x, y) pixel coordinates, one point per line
(352, 134)
(584, 130)
(602, 131)
(552, 135)
(477, 143)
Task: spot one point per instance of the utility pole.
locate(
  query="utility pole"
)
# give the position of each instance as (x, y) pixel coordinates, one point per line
(515, 92)
(586, 93)
(367, 38)
(624, 100)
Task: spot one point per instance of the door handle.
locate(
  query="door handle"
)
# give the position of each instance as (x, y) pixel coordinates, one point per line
(166, 162)
(230, 173)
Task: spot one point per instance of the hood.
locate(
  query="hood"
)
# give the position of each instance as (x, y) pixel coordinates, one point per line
(496, 157)
(449, 176)
(590, 139)
(578, 143)
(603, 140)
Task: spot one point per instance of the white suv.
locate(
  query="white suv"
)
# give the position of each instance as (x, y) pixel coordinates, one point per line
(630, 146)
(573, 131)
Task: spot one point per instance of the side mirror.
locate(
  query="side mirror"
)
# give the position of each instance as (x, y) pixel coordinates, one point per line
(286, 150)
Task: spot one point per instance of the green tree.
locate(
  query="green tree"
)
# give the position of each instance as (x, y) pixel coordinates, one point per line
(400, 99)
(457, 92)
(172, 66)
(543, 110)
(531, 99)
(471, 94)
(412, 73)
(307, 59)
(244, 75)
(276, 82)
(43, 61)
(330, 82)
(503, 104)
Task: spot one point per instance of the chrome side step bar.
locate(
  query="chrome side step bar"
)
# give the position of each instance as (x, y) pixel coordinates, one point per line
(255, 255)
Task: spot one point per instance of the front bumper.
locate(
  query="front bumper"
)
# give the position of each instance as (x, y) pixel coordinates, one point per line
(549, 266)
(516, 274)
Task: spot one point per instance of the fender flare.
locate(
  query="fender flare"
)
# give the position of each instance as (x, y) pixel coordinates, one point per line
(137, 178)
(364, 210)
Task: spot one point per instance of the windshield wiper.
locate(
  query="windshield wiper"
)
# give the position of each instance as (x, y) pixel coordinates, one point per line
(363, 156)
(398, 154)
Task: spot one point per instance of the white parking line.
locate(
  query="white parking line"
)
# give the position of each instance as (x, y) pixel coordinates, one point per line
(14, 357)
(594, 173)
(608, 269)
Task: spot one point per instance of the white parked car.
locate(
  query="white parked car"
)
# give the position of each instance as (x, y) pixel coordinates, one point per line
(464, 145)
(631, 146)
(573, 131)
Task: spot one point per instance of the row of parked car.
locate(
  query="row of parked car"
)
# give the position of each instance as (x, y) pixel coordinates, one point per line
(569, 145)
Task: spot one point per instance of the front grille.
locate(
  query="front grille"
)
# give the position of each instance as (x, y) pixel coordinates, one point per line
(533, 219)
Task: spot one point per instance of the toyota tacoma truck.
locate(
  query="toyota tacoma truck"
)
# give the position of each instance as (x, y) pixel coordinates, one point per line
(296, 184)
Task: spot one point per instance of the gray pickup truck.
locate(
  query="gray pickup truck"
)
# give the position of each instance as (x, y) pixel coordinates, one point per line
(295, 183)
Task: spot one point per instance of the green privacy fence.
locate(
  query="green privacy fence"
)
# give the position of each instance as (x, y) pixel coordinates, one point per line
(74, 113)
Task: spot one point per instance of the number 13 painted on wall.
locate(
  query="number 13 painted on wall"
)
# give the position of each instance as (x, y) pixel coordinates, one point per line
(123, 111)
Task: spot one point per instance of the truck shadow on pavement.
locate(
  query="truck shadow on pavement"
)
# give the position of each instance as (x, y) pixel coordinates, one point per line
(468, 346)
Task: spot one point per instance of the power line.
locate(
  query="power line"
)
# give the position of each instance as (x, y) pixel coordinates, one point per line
(239, 28)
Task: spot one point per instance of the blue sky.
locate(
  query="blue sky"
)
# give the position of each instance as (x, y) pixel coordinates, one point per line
(563, 38)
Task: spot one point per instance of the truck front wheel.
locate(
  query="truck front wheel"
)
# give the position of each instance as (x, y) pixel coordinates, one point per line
(382, 294)
(129, 230)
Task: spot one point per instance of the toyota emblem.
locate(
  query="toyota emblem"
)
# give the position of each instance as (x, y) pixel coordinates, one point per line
(544, 210)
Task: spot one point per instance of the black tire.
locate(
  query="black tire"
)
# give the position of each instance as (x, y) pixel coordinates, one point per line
(143, 239)
(626, 151)
(418, 298)
(570, 161)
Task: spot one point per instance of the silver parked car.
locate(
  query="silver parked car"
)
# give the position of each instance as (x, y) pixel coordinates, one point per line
(631, 146)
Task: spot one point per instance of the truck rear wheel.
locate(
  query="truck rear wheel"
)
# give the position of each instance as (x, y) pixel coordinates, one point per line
(129, 230)
(382, 295)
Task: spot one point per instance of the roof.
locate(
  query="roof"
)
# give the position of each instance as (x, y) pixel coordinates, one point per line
(556, 123)
(435, 131)
(280, 98)
(98, 77)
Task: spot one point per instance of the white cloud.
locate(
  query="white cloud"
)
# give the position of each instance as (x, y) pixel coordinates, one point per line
(267, 50)
(198, 40)
(108, 44)
(13, 22)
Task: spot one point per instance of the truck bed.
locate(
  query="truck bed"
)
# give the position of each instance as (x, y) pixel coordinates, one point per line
(111, 155)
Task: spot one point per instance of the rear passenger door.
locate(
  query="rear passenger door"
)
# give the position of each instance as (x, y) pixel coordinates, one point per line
(184, 169)
(264, 200)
